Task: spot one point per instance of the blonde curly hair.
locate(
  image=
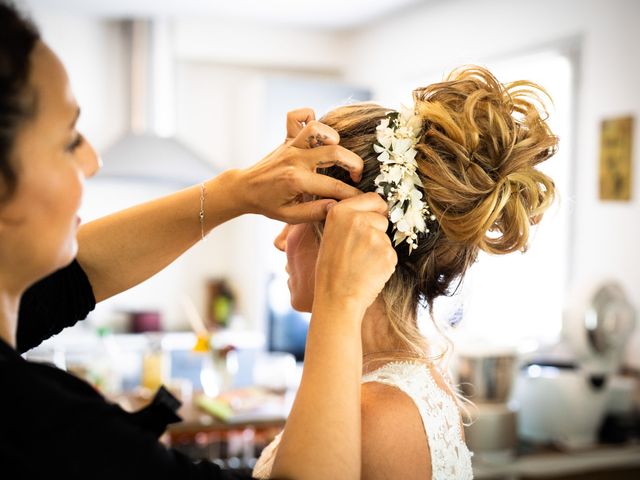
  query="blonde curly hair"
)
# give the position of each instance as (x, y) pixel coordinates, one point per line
(480, 144)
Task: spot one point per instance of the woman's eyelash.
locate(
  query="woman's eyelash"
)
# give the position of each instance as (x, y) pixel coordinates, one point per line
(75, 143)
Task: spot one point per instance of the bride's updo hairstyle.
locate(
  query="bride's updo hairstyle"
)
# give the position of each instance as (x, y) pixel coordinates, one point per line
(477, 154)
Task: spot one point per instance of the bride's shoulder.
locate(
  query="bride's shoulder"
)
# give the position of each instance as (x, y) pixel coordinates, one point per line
(394, 444)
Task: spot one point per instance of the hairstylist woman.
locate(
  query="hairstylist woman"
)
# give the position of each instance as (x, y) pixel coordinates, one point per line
(52, 423)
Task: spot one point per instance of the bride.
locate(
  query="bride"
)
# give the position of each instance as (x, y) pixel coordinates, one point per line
(458, 173)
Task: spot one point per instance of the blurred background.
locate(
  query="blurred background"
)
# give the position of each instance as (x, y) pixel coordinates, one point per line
(173, 92)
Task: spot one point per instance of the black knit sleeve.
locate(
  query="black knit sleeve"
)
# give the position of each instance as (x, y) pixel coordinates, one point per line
(52, 304)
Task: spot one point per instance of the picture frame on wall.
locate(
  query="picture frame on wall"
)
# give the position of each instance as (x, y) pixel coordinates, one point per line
(616, 175)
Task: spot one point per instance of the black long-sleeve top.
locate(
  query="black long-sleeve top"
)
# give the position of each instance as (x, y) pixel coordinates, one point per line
(54, 423)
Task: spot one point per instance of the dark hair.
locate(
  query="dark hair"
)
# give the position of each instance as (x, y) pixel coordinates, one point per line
(18, 37)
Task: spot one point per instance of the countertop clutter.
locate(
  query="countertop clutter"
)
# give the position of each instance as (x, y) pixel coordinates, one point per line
(571, 407)
(506, 446)
(233, 436)
(236, 398)
(231, 429)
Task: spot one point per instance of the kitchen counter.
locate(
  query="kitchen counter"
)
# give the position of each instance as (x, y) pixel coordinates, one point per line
(234, 444)
(195, 419)
(600, 461)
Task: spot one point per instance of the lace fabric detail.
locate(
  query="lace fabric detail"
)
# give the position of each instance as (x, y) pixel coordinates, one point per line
(450, 457)
(264, 465)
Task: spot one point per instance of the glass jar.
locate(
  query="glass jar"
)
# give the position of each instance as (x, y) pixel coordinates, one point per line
(156, 363)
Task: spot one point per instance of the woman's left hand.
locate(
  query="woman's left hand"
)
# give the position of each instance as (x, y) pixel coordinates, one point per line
(275, 186)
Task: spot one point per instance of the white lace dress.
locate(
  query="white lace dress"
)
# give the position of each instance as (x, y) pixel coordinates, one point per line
(450, 457)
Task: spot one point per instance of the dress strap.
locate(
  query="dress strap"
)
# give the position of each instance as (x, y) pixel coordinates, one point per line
(450, 457)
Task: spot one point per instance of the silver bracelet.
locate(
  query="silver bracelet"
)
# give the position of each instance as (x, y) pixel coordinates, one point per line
(202, 210)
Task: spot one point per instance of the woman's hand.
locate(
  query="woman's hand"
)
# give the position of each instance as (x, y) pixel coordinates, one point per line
(356, 257)
(355, 261)
(274, 187)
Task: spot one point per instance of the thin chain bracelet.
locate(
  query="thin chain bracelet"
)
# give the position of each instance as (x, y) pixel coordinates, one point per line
(202, 210)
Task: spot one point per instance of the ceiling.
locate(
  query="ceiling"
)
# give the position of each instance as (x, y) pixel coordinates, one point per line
(324, 14)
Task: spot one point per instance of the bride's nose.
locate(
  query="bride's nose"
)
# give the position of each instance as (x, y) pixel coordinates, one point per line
(280, 241)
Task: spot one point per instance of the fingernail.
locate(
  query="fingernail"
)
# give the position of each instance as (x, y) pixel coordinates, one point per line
(329, 206)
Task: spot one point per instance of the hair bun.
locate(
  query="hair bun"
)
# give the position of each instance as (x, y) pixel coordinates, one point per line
(477, 156)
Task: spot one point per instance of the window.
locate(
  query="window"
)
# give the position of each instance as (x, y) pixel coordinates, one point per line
(517, 299)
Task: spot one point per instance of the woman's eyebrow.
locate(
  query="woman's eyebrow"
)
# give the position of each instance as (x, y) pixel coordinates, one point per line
(75, 118)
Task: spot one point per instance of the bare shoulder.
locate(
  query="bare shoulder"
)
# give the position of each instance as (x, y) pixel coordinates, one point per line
(394, 443)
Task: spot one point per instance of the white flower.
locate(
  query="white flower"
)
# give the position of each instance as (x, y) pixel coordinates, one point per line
(396, 214)
(411, 120)
(415, 214)
(379, 148)
(416, 196)
(400, 146)
(395, 145)
(384, 134)
(395, 173)
(403, 225)
(386, 138)
(398, 238)
(384, 123)
(404, 190)
(384, 156)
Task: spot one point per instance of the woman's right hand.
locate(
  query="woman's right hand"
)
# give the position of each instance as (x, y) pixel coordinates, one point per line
(356, 257)
(275, 186)
(354, 262)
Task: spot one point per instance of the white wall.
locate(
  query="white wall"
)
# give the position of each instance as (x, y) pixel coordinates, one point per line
(267, 47)
(219, 107)
(93, 52)
(220, 75)
(438, 37)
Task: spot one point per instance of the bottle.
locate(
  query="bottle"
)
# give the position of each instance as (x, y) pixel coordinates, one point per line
(209, 377)
(103, 371)
(155, 363)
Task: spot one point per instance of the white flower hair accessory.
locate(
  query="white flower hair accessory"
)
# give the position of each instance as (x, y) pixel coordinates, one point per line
(398, 182)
